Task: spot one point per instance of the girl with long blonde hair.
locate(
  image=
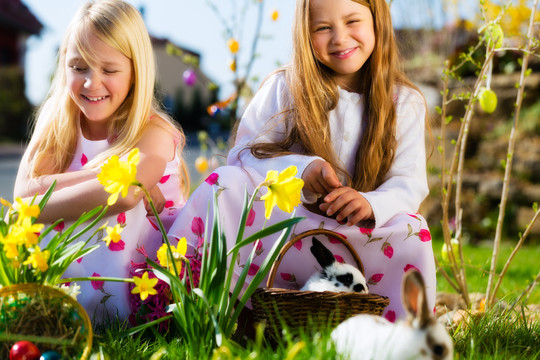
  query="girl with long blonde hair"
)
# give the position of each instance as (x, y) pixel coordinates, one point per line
(344, 113)
(102, 103)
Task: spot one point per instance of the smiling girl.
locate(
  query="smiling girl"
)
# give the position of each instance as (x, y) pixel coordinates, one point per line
(102, 103)
(345, 115)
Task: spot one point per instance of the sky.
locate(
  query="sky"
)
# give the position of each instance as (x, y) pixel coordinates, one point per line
(193, 24)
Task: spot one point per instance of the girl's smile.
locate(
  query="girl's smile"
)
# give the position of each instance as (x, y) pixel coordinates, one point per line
(343, 37)
(345, 53)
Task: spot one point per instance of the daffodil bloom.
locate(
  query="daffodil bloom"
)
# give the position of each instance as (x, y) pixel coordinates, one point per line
(144, 286)
(11, 241)
(38, 259)
(28, 232)
(117, 176)
(113, 234)
(5, 202)
(11, 246)
(177, 252)
(283, 190)
(25, 209)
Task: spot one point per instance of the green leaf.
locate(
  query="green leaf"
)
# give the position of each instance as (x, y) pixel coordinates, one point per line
(46, 196)
(267, 231)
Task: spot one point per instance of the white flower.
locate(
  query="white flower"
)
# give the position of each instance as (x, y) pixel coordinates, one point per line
(72, 290)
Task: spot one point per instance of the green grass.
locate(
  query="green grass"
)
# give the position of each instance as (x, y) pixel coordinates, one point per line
(490, 337)
(520, 274)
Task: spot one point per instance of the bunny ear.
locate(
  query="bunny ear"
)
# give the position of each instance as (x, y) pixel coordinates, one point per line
(414, 298)
(324, 256)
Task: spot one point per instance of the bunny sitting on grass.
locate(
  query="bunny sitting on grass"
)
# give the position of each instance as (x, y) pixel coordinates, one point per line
(421, 336)
(334, 276)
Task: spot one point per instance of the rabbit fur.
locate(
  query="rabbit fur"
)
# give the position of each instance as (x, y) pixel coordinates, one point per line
(419, 337)
(334, 276)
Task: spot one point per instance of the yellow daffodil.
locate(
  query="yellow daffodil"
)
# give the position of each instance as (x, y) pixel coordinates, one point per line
(25, 209)
(233, 45)
(5, 202)
(11, 246)
(113, 234)
(283, 190)
(117, 176)
(38, 259)
(144, 286)
(201, 164)
(12, 240)
(28, 232)
(177, 252)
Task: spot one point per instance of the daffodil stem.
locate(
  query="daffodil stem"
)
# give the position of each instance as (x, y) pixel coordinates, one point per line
(161, 227)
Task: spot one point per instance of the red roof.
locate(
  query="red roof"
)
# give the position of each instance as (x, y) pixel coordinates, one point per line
(16, 15)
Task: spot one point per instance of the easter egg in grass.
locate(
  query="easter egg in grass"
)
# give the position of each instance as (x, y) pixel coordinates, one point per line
(50, 355)
(24, 350)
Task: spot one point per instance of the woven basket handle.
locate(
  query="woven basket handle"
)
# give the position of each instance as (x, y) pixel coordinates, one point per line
(288, 245)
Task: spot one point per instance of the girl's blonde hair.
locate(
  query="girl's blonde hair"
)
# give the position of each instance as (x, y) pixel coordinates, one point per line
(54, 141)
(314, 94)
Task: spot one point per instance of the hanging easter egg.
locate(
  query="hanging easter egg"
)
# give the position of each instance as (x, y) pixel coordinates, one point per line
(275, 15)
(189, 77)
(494, 36)
(233, 45)
(455, 251)
(24, 350)
(232, 65)
(201, 164)
(213, 110)
(50, 355)
(488, 100)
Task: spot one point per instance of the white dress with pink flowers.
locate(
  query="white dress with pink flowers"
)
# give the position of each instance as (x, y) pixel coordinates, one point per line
(106, 300)
(398, 240)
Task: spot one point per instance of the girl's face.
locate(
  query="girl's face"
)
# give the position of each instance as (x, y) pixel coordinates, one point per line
(99, 89)
(343, 37)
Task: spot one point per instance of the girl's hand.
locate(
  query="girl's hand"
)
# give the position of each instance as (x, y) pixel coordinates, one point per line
(157, 198)
(347, 203)
(320, 178)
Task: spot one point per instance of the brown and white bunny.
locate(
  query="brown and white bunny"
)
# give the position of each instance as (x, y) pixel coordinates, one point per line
(420, 336)
(334, 276)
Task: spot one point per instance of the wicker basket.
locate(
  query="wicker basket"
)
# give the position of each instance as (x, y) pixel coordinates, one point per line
(295, 309)
(46, 316)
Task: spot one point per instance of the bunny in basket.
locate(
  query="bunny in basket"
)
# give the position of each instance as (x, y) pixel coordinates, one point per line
(421, 336)
(334, 276)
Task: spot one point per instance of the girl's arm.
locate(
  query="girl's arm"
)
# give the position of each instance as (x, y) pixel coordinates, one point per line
(26, 186)
(156, 148)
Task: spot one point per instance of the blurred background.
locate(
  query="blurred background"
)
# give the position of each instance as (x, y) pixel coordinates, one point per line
(204, 82)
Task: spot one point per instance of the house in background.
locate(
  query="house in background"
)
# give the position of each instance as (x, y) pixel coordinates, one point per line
(185, 100)
(17, 23)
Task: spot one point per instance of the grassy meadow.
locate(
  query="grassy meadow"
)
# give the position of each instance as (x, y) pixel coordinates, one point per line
(490, 337)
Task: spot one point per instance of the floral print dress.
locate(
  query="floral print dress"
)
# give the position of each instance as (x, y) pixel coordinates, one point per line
(108, 300)
(398, 239)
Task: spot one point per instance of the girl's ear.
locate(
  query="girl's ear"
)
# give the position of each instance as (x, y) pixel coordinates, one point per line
(324, 256)
(414, 298)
